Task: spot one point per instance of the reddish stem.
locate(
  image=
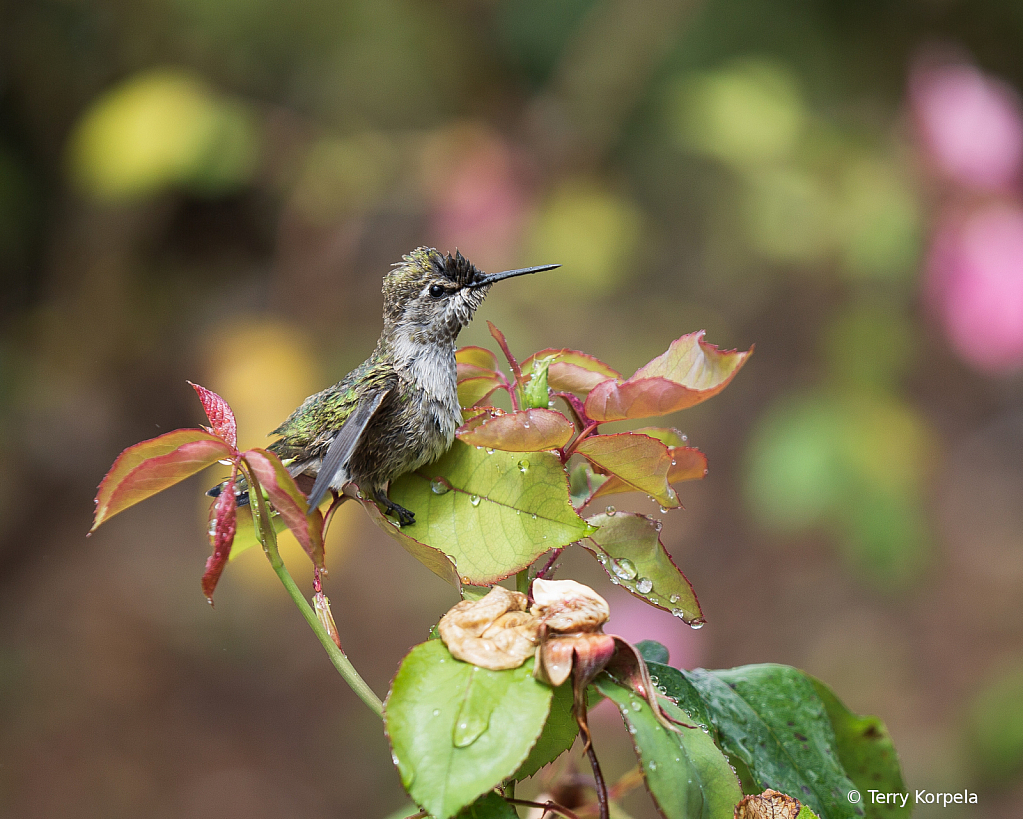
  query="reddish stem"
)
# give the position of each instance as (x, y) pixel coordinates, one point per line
(589, 429)
(548, 806)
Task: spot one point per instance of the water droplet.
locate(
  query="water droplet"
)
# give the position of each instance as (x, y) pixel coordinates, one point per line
(699, 622)
(610, 511)
(602, 559)
(673, 462)
(644, 585)
(474, 500)
(550, 403)
(224, 461)
(479, 447)
(654, 679)
(436, 712)
(525, 423)
(632, 729)
(533, 516)
(518, 511)
(213, 528)
(684, 437)
(439, 486)
(674, 598)
(523, 465)
(490, 450)
(664, 509)
(651, 765)
(636, 706)
(615, 581)
(466, 580)
(657, 525)
(677, 613)
(624, 568)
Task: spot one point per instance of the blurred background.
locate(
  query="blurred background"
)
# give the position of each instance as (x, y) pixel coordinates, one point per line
(213, 190)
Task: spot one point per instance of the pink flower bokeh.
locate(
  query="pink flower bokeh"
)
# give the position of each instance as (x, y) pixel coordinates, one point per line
(975, 283)
(970, 124)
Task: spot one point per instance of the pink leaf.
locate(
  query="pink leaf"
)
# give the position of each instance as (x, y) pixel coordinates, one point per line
(639, 460)
(144, 469)
(223, 525)
(690, 371)
(571, 370)
(532, 430)
(289, 501)
(220, 414)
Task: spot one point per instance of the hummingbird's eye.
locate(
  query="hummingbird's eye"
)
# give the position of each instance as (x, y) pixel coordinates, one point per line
(437, 291)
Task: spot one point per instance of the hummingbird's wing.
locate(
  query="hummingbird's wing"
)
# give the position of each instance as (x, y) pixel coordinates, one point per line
(341, 448)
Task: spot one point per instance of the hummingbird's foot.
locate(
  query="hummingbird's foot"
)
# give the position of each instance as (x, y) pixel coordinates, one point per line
(404, 516)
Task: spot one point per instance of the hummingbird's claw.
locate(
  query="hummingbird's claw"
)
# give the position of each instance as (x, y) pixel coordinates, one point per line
(404, 516)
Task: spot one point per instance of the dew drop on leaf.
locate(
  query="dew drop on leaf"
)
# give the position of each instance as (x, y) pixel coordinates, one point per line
(224, 461)
(490, 450)
(678, 613)
(674, 598)
(610, 511)
(523, 465)
(474, 500)
(624, 568)
(664, 509)
(439, 486)
(644, 585)
(651, 765)
(698, 623)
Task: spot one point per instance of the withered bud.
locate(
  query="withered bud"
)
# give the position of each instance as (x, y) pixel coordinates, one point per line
(568, 607)
(768, 805)
(495, 632)
(571, 617)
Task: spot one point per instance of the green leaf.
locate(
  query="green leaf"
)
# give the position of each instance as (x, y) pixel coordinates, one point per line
(457, 730)
(559, 732)
(640, 461)
(771, 718)
(629, 548)
(491, 513)
(687, 464)
(289, 501)
(145, 469)
(674, 684)
(530, 430)
(479, 358)
(652, 652)
(473, 390)
(690, 371)
(488, 806)
(686, 774)
(867, 753)
(434, 559)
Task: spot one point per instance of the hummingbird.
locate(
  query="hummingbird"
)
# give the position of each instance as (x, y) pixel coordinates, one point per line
(399, 409)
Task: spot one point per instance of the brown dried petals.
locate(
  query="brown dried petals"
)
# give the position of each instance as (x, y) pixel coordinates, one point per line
(495, 632)
(567, 607)
(768, 805)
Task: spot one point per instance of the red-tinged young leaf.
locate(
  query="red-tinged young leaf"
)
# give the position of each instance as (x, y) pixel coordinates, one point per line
(479, 357)
(220, 414)
(669, 436)
(503, 343)
(434, 559)
(473, 390)
(639, 460)
(689, 372)
(223, 525)
(144, 469)
(572, 371)
(289, 502)
(687, 464)
(532, 430)
(629, 548)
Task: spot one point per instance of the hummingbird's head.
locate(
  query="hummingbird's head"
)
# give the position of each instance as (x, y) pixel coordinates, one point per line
(431, 296)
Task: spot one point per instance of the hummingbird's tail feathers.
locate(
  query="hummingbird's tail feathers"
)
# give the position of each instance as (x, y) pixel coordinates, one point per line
(344, 443)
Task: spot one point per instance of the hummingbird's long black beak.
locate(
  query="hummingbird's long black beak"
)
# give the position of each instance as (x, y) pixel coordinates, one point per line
(507, 274)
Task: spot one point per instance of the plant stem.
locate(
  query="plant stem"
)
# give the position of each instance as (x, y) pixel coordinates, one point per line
(548, 807)
(268, 537)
